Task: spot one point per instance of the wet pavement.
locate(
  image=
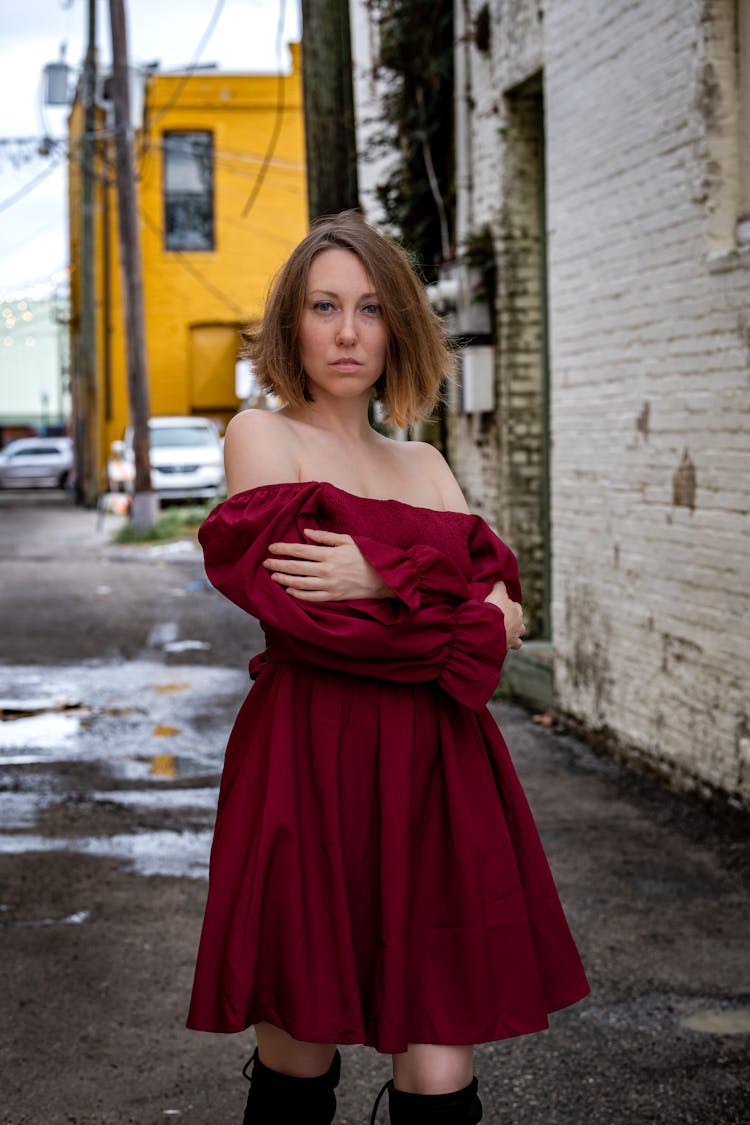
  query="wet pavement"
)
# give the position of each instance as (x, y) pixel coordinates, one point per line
(63, 731)
(120, 674)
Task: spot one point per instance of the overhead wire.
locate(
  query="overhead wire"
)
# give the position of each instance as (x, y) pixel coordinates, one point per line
(191, 66)
(278, 119)
(29, 186)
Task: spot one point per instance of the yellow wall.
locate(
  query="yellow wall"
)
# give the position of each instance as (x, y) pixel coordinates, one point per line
(196, 301)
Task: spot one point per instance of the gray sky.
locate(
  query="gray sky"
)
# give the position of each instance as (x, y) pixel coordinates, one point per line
(33, 233)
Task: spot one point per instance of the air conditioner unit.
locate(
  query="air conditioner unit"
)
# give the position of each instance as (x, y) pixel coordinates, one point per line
(477, 374)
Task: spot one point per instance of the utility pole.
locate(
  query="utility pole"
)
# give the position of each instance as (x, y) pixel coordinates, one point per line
(145, 504)
(86, 438)
(330, 139)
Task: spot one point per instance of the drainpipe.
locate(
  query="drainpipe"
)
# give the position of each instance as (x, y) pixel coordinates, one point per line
(463, 100)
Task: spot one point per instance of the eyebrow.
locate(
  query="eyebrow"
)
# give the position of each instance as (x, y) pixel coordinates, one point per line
(332, 293)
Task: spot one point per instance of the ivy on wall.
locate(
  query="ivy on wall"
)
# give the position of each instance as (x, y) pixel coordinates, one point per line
(416, 52)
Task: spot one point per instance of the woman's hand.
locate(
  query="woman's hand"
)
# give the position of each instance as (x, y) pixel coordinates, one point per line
(512, 612)
(330, 569)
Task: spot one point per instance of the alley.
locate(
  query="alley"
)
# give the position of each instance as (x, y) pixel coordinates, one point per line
(120, 674)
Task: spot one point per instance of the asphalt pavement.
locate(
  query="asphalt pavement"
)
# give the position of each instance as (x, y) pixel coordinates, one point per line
(120, 674)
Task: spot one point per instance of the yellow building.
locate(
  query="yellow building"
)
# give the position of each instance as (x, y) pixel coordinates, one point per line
(222, 201)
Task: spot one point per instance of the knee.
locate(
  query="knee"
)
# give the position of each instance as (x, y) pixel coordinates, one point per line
(280, 1052)
(431, 1069)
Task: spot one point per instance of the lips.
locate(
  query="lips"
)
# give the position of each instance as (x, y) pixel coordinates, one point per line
(346, 363)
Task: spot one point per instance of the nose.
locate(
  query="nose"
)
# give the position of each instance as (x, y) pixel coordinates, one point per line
(347, 333)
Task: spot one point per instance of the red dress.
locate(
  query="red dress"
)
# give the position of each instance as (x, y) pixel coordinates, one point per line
(376, 876)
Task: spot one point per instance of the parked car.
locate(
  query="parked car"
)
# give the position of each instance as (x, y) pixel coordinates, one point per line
(187, 459)
(38, 461)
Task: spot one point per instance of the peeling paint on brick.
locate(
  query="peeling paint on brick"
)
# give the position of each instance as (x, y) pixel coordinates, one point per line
(684, 483)
(708, 98)
(643, 421)
(588, 665)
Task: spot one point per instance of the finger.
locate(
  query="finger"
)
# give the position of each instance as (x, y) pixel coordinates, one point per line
(293, 566)
(310, 595)
(298, 581)
(332, 538)
(299, 551)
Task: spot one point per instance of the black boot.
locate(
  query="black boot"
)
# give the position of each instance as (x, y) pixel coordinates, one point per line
(462, 1107)
(275, 1098)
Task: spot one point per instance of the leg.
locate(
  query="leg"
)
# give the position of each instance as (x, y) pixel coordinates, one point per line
(426, 1068)
(291, 1081)
(289, 1056)
(433, 1085)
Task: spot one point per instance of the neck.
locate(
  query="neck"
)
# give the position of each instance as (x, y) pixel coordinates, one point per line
(347, 419)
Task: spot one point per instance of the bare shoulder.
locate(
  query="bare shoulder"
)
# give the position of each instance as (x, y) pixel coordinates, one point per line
(258, 449)
(425, 458)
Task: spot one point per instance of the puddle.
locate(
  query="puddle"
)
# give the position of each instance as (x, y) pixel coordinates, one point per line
(122, 711)
(735, 1022)
(121, 718)
(198, 798)
(164, 633)
(76, 919)
(13, 709)
(187, 646)
(171, 550)
(20, 810)
(163, 767)
(180, 854)
(52, 730)
(673, 1013)
(668, 883)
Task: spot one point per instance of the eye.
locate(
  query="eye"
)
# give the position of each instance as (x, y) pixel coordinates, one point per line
(323, 306)
(372, 309)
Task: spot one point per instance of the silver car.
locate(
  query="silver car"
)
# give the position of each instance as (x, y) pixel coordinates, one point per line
(187, 459)
(39, 461)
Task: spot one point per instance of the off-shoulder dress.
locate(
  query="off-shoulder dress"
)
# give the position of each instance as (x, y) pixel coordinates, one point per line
(376, 875)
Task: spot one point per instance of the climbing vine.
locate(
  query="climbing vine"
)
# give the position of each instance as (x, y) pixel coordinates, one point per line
(416, 54)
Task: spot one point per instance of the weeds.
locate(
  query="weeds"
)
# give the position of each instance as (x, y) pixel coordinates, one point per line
(173, 523)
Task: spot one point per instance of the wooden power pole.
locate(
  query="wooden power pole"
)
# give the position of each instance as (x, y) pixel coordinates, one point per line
(145, 504)
(330, 138)
(85, 399)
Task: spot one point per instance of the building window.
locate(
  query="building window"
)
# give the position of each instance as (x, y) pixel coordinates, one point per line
(188, 191)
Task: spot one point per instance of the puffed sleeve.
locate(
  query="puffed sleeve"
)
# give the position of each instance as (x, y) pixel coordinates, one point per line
(434, 630)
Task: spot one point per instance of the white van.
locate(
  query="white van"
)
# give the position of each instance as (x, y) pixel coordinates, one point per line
(187, 458)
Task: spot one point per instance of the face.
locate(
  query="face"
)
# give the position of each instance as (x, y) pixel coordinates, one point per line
(342, 337)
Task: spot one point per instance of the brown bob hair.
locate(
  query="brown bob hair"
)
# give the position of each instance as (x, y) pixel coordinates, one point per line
(418, 357)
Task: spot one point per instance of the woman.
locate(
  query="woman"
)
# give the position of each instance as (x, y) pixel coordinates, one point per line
(376, 876)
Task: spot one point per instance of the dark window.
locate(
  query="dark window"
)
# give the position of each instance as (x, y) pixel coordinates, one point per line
(188, 191)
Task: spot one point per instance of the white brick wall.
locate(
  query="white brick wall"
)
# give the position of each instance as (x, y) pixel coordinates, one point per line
(651, 603)
(650, 358)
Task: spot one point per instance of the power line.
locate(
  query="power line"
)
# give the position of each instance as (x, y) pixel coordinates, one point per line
(278, 119)
(191, 66)
(28, 187)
